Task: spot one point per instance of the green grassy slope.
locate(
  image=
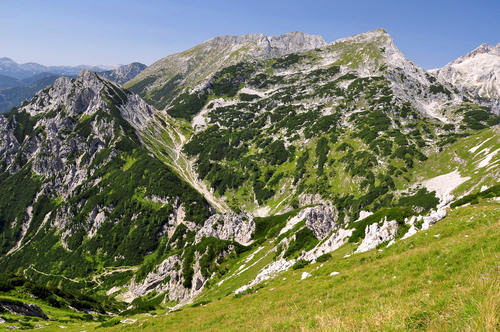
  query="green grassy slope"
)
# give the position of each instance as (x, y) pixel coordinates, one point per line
(445, 278)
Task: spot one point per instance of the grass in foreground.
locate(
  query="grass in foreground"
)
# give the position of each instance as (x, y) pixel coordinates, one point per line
(445, 278)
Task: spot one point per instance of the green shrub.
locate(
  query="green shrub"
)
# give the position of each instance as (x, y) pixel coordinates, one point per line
(323, 258)
(301, 263)
(304, 240)
(109, 323)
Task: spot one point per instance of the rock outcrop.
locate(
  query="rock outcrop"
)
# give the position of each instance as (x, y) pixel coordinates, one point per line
(478, 72)
(228, 226)
(335, 241)
(124, 73)
(321, 220)
(167, 277)
(377, 234)
(22, 308)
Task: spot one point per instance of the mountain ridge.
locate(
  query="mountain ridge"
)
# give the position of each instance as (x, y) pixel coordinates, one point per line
(478, 72)
(11, 68)
(190, 67)
(340, 149)
(124, 73)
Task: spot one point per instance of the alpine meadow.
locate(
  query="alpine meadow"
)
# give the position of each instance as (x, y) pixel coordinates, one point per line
(253, 183)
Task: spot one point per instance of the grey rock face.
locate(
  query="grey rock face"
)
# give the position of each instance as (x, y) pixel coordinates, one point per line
(321, 220)
(376, 234)
(23, 309)
(9, 146)
(335, 241)
(195, 67)
(136, 111)
(124, 73)
(228, 226)
(477, 74)
(293, 42)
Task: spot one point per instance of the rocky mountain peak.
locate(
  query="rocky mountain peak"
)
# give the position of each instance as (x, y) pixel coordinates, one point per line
(86, 95)
(484, 49)
(195, 67)
(295, 42)
(126, 69)
(292, 42)
(478, 72)
(379, 35)
(124, 73)
(89, 78)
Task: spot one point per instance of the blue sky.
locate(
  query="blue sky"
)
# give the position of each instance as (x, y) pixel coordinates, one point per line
(72, 32)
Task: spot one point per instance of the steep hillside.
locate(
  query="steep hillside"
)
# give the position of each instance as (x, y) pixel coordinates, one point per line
(124, 73)
(478, 73)
(343, 123)
(444, 278)
(181, 73)
(85, 205)
(272, 158)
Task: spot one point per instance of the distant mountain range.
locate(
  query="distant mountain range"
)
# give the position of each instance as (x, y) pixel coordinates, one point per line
(13, 91)
(215, 170)
(9, 67)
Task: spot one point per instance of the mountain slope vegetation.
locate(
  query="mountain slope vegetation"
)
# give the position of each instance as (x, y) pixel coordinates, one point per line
(256, 167)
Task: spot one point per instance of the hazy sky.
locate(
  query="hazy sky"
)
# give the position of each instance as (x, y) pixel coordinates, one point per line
(72, 32)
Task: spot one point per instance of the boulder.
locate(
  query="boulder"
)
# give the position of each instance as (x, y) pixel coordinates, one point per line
(22, 308)
(376, 234)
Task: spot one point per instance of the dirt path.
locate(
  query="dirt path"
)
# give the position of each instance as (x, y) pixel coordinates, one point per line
(172, 155)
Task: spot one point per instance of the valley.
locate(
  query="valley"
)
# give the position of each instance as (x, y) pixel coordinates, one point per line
(255, 182)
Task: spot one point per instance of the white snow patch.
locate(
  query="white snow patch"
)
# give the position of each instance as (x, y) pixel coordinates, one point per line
(291, 223)
(444, 184)
(363, 215)
(485, 151)
(486, 160)
(334, 274)
(474, 149)
(249, 91)
(305, 275)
